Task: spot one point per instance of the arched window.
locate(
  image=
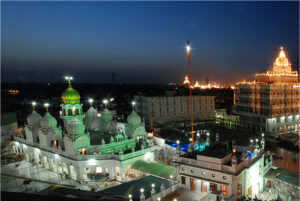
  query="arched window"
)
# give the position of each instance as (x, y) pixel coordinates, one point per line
(69, 112)
(76, 112)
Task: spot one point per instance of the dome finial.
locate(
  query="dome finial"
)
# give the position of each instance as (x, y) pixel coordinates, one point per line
(46, 106)
(133, 104)
(69, 78)
(105, 101)
(33, 104)
(91, 101)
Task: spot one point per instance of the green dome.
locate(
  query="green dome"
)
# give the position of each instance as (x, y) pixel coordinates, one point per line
(134, 119)
(70, 95)
(106, 115)
(48, 121)
(34, 118)
(75, 127)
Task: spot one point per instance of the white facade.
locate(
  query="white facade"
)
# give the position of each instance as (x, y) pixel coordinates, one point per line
(283, 123)
(78, 167)
(207, 174)
(174, 108)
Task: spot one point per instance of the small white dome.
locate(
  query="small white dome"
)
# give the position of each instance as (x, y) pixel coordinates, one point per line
(91, 113)
(34, 118)
(134, 119)
(106, 115)
(75, 126)
(48, 121)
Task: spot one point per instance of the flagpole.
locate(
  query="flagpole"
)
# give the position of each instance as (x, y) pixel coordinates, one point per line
(188, 48)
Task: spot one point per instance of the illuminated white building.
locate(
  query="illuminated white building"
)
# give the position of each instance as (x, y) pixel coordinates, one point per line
(233, 173)
(271, 103)
(202, 85)
(162, 109)
(86, 145)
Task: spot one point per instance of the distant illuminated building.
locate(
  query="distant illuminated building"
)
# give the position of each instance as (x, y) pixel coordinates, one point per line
(163, 109)
(13, 91)
(186, 80)
(197, 85)
(202, 86)
(270, 103)
(227, 120)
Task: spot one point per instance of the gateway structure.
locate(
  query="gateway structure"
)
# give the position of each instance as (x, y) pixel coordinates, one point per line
(222, 173)
(87, 144)
(271, 103)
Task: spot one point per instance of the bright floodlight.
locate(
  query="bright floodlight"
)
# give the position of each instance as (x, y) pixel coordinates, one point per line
(99, 115)
(112, 99)
(91, 100)
(171, 176)
(133, 103)
(105, 101)
(33, 103)
(262, 134)
(158, 199)
(188, 48)
(130, 196)
(153, 185)
(46, 104)
(191, 139)
(177, 141)
(207, 134)
(142, 190)
(256, 140)
(68, 77)
(251, 140)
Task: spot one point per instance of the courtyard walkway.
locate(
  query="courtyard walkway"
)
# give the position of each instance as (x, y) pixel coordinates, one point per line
(183, 194)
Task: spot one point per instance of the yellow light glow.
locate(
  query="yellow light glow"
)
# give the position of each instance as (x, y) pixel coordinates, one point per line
(186, 80)
(197, 85)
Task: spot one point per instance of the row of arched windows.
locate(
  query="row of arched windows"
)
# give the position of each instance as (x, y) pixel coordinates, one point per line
(70, 112)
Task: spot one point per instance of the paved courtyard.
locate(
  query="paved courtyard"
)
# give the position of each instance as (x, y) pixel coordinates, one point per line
(183, 194)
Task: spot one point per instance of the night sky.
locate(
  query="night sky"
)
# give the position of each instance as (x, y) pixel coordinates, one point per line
(144, 42)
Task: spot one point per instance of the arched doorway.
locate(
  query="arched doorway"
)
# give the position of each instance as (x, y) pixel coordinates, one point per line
(45, 162)
(26, 156)
(72, 172)
(53, 165)
(118, 174)
(69, 112)
(65, 169)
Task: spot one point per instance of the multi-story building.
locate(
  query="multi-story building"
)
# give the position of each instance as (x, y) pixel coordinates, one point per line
(227, 120)
(222, 173)
(87, 144)
(271, 103)
(160, 110)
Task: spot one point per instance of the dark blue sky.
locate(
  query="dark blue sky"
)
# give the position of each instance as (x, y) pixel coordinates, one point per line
(143, 42)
